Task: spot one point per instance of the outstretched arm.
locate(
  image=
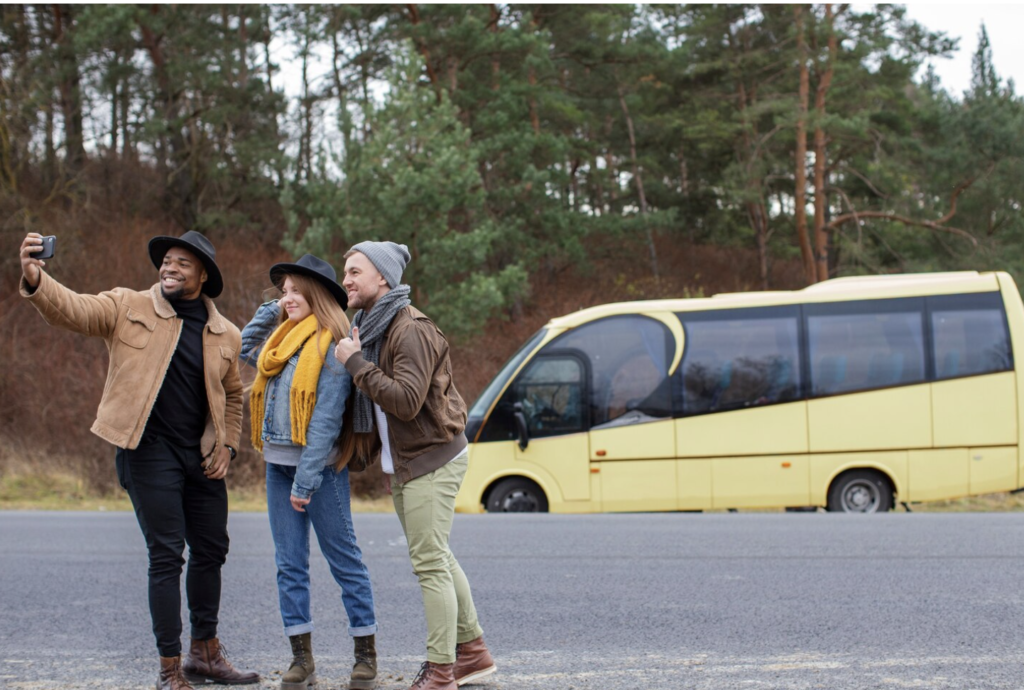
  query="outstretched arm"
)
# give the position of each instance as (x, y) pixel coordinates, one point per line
(93, 315)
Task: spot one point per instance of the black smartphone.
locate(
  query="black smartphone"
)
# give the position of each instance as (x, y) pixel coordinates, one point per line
(49, 248)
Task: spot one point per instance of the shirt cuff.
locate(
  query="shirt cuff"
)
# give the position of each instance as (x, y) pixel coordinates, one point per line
(301, 492)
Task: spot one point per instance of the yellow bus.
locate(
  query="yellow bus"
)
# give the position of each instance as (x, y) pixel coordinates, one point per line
(851, 394)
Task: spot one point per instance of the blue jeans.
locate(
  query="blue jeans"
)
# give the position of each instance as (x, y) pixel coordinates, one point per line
(330, 513)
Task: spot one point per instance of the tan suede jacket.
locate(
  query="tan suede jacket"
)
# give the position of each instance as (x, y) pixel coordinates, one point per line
(413, 385)
(141, 330)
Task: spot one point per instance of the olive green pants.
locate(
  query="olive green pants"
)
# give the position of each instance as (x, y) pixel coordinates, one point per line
(426, 507)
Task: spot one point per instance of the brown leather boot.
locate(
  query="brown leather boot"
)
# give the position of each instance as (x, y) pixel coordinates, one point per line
(364, 673)
(435, 677)
(206, 664)
(472, 661)
(302, 672)
(170, 677)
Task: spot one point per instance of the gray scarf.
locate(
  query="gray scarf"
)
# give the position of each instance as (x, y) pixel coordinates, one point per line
(372, 325)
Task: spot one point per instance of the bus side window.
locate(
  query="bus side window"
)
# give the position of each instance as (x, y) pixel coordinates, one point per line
(868, 347)
(704, 380)
(551, 394)
(627, 361)
(740, 358)
(969, 342)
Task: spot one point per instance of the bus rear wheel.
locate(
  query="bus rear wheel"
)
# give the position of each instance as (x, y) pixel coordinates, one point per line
(516, 495)
(860, 491)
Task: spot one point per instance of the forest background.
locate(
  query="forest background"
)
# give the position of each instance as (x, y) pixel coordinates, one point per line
(536, 159)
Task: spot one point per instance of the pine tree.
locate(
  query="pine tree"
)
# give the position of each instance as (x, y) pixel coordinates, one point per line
(415, 181)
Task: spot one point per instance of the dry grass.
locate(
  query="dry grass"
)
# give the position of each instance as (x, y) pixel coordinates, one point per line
(987, 503)
(25, 490)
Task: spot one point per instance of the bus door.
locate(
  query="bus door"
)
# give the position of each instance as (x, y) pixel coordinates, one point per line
(634, 465)
(628, 359)
(596, 408)
(632, 441)
(550, 411)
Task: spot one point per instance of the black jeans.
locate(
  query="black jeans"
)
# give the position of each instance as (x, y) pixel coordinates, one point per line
(176, 504)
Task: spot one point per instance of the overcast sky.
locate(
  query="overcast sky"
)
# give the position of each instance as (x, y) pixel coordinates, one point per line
(1004, 24)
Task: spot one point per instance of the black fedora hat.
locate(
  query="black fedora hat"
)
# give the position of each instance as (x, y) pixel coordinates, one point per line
(315, 268)
(197, 244)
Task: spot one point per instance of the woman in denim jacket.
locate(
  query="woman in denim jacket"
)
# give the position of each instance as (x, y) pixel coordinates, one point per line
(297, 405)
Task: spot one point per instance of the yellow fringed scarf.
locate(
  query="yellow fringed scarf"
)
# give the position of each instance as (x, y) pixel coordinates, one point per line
(282, 345)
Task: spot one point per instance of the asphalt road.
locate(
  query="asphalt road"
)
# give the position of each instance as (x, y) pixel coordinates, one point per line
(568, 602)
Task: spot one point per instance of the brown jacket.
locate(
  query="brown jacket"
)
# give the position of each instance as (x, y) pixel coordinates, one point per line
(413, 385)
(141, 330)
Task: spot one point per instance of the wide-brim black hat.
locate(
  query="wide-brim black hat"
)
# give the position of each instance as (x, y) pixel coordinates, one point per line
(315, 268)
(197, 244)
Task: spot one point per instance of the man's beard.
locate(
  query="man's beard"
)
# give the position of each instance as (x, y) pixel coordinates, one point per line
(175, 295)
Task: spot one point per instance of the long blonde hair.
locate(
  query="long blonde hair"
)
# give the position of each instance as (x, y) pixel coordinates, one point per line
(331, 316)
(326, 309)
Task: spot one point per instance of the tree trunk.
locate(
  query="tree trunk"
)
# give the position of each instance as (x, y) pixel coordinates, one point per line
(17, 129)
(69, 87)
(306, 135)
(266, 35)
(531, 78)
(243, 48)
(50, 154)
(820, 154)
(574, 183)
(180, 182)
(638, 178)
(414, 17)
(759, 220)
(364, 82)
(496, 61)
(800, 188)
(684, 187)
(747, 155)
(341, 91)
(124, 103)
(115, 105)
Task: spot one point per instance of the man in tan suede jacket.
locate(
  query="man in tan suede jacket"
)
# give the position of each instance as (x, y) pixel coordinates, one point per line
(172, 406)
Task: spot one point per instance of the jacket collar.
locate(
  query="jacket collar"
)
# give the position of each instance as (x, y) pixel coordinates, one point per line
(165, 309)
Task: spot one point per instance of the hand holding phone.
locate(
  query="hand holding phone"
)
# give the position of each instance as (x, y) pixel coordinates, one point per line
(49, 248)
(35, 248)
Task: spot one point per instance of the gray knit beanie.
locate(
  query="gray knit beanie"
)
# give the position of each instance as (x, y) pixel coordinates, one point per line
(389, 258)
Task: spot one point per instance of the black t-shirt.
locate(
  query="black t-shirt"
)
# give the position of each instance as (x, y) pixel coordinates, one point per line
(179, 413)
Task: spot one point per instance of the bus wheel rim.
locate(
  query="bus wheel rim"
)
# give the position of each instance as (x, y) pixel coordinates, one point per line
(519, 501)
(861, 496)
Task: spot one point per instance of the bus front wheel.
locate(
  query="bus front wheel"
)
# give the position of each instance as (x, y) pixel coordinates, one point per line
(516, 495)
(860, 491)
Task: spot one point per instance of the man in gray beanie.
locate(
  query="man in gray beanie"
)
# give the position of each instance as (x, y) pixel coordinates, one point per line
(400, 363)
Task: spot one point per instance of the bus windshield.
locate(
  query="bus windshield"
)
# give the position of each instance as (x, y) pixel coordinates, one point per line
(497, 384)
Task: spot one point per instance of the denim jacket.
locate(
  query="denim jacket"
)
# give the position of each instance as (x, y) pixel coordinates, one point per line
(331, 395)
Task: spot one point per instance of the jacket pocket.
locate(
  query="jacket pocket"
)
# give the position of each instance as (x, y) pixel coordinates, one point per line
(136, 330)
(227, 355)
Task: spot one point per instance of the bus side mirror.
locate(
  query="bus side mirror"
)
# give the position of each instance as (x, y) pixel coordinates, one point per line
(524, 434)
